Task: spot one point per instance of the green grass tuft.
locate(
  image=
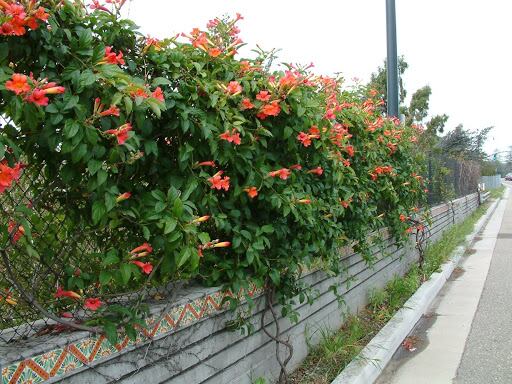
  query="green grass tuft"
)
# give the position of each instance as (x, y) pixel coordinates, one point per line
(497, 192)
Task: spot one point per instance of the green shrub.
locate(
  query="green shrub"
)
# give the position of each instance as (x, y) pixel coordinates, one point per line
(235, 174)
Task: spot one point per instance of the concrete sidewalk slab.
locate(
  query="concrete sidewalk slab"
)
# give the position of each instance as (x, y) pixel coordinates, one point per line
(441, 343)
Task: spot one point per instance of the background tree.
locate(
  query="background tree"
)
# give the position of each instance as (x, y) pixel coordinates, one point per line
(378, 81)
(453, 160)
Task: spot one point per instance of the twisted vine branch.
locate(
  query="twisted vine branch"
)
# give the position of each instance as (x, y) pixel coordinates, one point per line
(277, 337)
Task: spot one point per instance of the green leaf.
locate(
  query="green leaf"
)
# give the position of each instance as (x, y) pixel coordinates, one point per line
(102, 176)
(159, 195)
(130, 332)
(275, 276)
(105, 277)
(183, 257)
(110, 201)
(98, 211)
(93, 166)
(84, 37)
(87, 78)
(155, 108)
(287, 132)
(111, 332)
(72, 102)
(150, 147)
(191, 188)
(128, 105)
(177, 208)
(160, 81)
(52, 109)
(4, 51)
(79, 153)
(71, 128)
(246, 234)
(126, 272)
(160, 206)
(146, 232)
(110, 258)
(204, 237)
(170, 225)
(116, 98)
(267, 228)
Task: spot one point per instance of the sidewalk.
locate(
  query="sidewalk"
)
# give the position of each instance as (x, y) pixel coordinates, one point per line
(466, 336)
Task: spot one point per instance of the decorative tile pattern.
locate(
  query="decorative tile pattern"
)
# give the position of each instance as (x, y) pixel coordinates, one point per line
(91, 350)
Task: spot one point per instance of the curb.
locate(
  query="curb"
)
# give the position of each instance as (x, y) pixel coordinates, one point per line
(366, 367)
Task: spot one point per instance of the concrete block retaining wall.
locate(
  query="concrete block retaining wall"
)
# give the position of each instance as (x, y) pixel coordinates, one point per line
(189, 343)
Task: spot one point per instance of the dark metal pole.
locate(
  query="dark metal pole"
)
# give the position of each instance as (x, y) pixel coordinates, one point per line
(392, 61)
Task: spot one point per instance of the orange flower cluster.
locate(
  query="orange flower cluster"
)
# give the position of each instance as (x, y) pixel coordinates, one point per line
(218, 182)
(212, 244)
(207, 164)
(152, 42)
(252, 192)
(6, 296)
(233, 88)
(316, 171)
(381, 170)
(15, 231)
(69, 294)
(246, 104)
(271, 109)
(120, 133)
(282, 173)
(201, 219)
(98, 6)
(99, 109)
(123, 197)
(144, 267)
(305, 139)
(34, 92)
(8, 175)
(112, 58)
(372, 126)
(218, 40)
(233, 137)
(16, 18)
(141, 251)
(92, 303)
(142, 92)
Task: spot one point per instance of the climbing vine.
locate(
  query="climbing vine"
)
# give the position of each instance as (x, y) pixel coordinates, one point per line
(181, 159)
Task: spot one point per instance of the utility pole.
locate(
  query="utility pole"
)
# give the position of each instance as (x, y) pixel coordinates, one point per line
(392, 60)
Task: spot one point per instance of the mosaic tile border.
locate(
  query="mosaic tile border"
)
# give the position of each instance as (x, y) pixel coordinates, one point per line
(90, 350)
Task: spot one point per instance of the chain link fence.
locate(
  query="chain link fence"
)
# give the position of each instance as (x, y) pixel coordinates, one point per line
(38, 236)
(490, 182)
(449, 178)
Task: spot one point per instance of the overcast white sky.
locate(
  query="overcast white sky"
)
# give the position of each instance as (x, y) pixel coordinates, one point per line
(461, 48)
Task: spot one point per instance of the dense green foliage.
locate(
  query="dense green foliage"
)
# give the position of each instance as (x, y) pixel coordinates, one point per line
(307, 167)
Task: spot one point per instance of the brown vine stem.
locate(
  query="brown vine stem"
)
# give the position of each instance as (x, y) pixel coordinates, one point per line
(269, 307)
(421, 237)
